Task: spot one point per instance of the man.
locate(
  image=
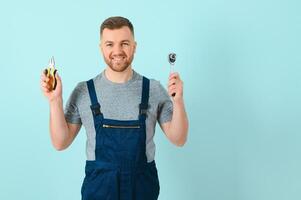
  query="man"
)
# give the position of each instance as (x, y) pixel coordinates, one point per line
(119, 109)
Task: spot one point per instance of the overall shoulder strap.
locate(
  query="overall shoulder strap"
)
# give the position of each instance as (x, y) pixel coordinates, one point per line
(144, 99)
(95, 106)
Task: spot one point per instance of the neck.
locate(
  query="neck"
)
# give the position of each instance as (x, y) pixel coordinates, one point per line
(119, 77)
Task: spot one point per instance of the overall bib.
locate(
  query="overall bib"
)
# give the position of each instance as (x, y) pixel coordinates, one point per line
(120, 170)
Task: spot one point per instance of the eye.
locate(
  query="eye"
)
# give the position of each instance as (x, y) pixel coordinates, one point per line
(109, 45)
(125, 44)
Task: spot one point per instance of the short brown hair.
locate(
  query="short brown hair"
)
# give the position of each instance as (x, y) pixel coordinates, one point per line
(116, 23)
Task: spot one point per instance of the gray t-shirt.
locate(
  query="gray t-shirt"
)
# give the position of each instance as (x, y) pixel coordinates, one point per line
(119, 101)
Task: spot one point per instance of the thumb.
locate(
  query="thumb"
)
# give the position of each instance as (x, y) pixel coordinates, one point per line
(58, 78)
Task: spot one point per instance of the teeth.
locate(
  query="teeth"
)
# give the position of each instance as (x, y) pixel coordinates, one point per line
(118, 58)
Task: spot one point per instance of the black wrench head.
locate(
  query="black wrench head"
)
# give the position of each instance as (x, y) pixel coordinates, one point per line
(172, 58)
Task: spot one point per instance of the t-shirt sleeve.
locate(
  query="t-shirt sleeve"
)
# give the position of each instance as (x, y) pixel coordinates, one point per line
(165, 106)
(72, 114)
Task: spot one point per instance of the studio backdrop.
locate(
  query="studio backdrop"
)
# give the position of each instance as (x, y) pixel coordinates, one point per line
(241, 66)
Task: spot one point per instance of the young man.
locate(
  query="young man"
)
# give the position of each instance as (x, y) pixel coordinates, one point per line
(119, 109)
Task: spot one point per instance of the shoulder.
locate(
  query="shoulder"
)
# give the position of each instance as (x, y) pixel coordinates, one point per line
(156, 89)
(154, 84)
(78, 93)
(81, 88)
(82, 85)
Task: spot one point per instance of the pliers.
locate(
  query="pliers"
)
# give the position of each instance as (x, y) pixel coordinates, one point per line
(50, 72)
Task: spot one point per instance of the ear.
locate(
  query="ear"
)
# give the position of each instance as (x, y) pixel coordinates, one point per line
(100, 47)
(135, 46)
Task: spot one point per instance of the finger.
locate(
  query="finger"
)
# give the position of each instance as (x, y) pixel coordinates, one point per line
(44, 72)
(171, 92)
(174, 75)
(44, 89)
(46, 85)
(45, 79)
(175, 82)
(173, 87)
(43, 76)
(172, 82)
(43, 84)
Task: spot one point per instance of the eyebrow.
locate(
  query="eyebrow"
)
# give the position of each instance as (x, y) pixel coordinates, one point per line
(113, 42)
(108, 42)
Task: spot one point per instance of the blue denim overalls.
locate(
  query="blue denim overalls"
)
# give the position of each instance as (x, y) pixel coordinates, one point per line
(120, 170)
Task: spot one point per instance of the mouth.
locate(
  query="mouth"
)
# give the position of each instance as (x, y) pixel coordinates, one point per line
(118, 59)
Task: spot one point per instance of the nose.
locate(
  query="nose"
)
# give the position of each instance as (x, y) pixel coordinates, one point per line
(117, 50)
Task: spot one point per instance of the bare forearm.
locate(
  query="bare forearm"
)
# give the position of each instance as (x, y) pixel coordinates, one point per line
(178, 129)
(58, 125)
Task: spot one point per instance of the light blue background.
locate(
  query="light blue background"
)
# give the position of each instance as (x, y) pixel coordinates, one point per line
(240, 63)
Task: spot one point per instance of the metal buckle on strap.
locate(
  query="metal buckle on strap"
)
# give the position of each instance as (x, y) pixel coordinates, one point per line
(95, 109)
(143, 109)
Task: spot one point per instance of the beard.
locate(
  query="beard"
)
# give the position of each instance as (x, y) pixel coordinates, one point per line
(119, 63)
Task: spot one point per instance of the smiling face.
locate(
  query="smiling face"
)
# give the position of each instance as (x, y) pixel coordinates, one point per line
(118, 48)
